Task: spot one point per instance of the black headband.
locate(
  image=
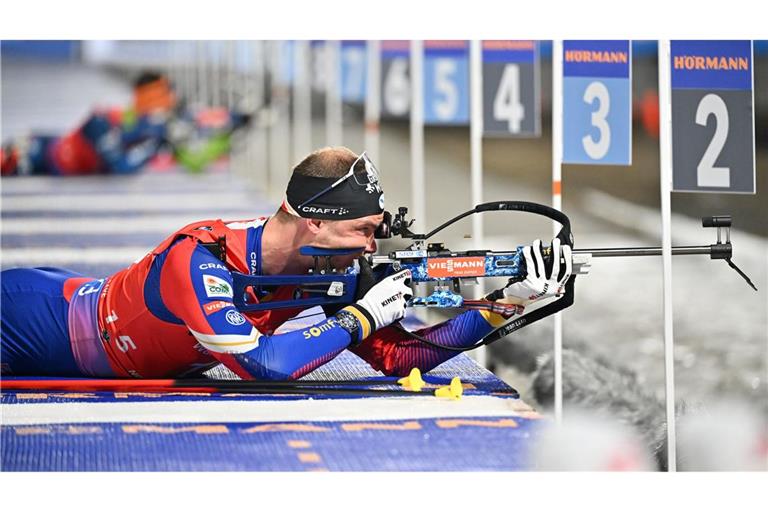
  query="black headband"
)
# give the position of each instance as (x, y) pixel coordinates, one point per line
(347, 200)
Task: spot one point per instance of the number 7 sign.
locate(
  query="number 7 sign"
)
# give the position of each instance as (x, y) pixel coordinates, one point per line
(597, 102)
(713, 137)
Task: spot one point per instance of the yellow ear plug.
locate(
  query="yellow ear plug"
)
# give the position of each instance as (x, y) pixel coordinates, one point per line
(454, 391)
(413, 381)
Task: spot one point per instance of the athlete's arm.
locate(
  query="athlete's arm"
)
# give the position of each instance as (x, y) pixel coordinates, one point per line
(118, 156)
(394, 352)
(197, 288)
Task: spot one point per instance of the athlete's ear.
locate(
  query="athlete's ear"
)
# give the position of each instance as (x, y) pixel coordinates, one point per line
(314, 225)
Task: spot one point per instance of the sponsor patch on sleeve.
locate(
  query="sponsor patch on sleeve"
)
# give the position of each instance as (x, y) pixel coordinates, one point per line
(217, 305)
(216, 286)
(235, 318)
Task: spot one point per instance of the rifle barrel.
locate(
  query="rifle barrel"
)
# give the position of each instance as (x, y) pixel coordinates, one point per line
(644, 251)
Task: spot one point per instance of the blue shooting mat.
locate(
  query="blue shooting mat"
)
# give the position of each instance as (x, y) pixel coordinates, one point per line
(488, 429)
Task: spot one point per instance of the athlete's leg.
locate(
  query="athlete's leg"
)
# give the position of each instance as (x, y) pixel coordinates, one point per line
(34, 338)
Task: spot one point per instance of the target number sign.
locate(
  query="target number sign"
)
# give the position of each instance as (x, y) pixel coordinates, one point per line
(511, 88)
(395, 79)
(713, 138)
(353, 62)
(597, 102)
(446, 82)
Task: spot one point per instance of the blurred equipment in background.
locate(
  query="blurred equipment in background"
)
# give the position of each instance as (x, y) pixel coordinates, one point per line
(589, 442)
(123, 141)
(727, 435)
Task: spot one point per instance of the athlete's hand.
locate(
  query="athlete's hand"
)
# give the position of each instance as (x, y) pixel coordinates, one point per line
(384, 303)
(540, 284)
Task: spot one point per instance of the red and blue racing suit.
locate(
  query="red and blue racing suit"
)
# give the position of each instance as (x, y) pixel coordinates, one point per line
(171, 314)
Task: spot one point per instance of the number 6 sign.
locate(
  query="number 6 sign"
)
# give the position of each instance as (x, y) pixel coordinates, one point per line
(597, 102)
(713, 138)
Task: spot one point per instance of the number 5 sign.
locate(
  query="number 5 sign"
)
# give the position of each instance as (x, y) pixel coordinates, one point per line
(353, 71)
(446, 82)
(713, 138)
(597, 102)
(511, 88)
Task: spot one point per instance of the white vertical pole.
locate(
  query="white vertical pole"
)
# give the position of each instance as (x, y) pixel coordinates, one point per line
(191, 90)
(275, 113)
(665, 156)
(232, 83)
(170, 64)
(261, 159)
(418, 197)
(302, 102)
(202, 74)
(373, 100)
(174, 75)
(214, 51)
(333, 113)
(557, 203)
(476, 156)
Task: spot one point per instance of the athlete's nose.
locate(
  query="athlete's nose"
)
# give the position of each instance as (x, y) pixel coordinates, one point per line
(371, 247)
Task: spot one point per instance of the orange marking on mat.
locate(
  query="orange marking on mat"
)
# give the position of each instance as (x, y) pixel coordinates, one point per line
(31, 431)
(294, 443)
(156, 429)
(284, 427)
(186, 393)
(159, 395)
(357, 427)
(372, 126)
(557, 187)
(504, 423)
(77, 429)
(309, 457)
(78, 395)
(32, 396)
(530, 415)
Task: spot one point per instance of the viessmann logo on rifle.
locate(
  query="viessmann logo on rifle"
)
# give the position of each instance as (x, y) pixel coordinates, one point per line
(467, 266)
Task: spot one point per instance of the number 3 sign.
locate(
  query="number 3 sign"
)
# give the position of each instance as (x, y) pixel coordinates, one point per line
(713, 138)
(597, 102)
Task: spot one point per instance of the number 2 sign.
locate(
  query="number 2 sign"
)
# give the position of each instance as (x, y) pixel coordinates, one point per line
(597, 102)
(713, 138)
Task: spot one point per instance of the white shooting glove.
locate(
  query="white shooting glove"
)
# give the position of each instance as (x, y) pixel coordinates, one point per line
(537, 285)
(382, 305)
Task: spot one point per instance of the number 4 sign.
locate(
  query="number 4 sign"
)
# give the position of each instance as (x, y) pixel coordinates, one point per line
(713, 138)
(597, 102)
(511, 88)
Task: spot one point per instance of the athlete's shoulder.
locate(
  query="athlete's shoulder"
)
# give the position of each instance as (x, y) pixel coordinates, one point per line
(247, 224)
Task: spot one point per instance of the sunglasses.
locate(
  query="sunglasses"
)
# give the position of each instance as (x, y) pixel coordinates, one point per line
(369, 180)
